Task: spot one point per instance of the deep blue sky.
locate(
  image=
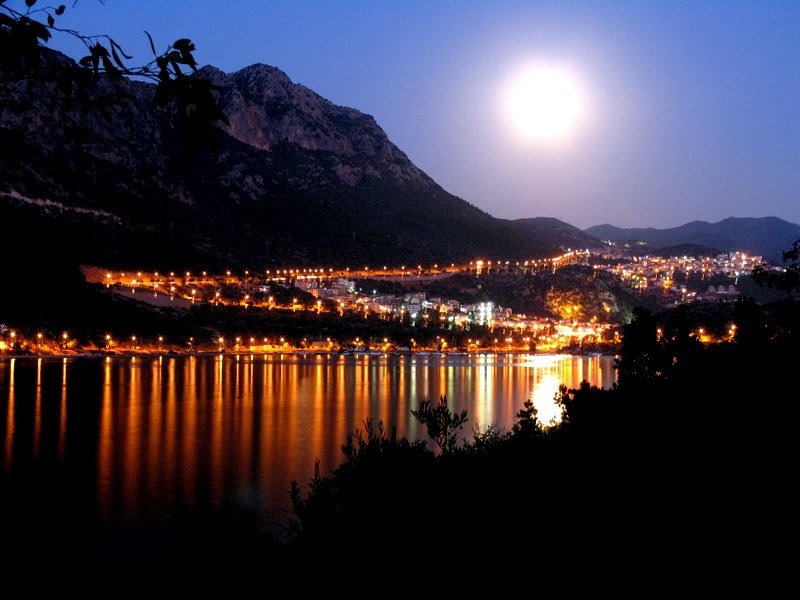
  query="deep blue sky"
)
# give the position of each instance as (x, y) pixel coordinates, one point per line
(693, 108)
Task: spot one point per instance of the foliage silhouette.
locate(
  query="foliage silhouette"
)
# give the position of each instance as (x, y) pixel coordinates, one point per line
(787, 281)
(528, 425)
(22, 35)
(441, 424)
(382, 476)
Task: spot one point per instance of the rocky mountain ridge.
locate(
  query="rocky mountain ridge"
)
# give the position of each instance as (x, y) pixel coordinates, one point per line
(294, 179)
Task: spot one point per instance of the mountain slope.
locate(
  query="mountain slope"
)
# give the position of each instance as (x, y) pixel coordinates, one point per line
(555, 233)
(294, 179)
(766, 236)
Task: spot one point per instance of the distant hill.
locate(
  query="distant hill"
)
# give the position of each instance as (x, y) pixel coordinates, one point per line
(555, 233)
(767, 236)
(293, 180)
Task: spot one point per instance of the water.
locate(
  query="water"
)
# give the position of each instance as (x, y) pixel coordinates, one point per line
(130, 439)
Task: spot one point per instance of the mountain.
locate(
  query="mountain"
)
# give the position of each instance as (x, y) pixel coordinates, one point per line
(767, 236)
(293, 180)
(555, 233)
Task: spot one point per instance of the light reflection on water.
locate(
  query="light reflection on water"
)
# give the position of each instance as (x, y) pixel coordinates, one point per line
(158, 433)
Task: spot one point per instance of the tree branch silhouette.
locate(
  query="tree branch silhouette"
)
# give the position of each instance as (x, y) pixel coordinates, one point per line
(173, 71)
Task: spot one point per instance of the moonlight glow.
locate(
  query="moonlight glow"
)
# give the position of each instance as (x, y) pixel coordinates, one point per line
(544, 102)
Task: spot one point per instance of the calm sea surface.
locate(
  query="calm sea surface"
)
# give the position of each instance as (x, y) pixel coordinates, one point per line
(141, 437)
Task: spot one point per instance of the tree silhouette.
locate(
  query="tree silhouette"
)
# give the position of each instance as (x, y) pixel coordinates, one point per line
(23, 34)
(787, 281)
(641, 356)
(528, 424)
(442, 425)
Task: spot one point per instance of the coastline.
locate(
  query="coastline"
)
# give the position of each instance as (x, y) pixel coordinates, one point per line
(295, 352)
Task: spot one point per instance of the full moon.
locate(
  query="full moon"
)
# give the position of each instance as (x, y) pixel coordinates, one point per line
(544, 102)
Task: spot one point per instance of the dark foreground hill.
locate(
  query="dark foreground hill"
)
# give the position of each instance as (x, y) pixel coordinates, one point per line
(293, 179)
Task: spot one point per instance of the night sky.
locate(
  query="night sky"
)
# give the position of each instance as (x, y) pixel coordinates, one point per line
(688, 110)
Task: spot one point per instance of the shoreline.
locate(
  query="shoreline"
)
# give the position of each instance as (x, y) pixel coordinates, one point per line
(301, 353)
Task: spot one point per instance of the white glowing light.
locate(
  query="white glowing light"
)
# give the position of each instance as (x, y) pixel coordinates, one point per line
(544, 102)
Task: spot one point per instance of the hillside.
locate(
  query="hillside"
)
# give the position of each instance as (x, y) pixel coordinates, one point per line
(572, 292)
(294, 179)
(555, 232)
(767, 236)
